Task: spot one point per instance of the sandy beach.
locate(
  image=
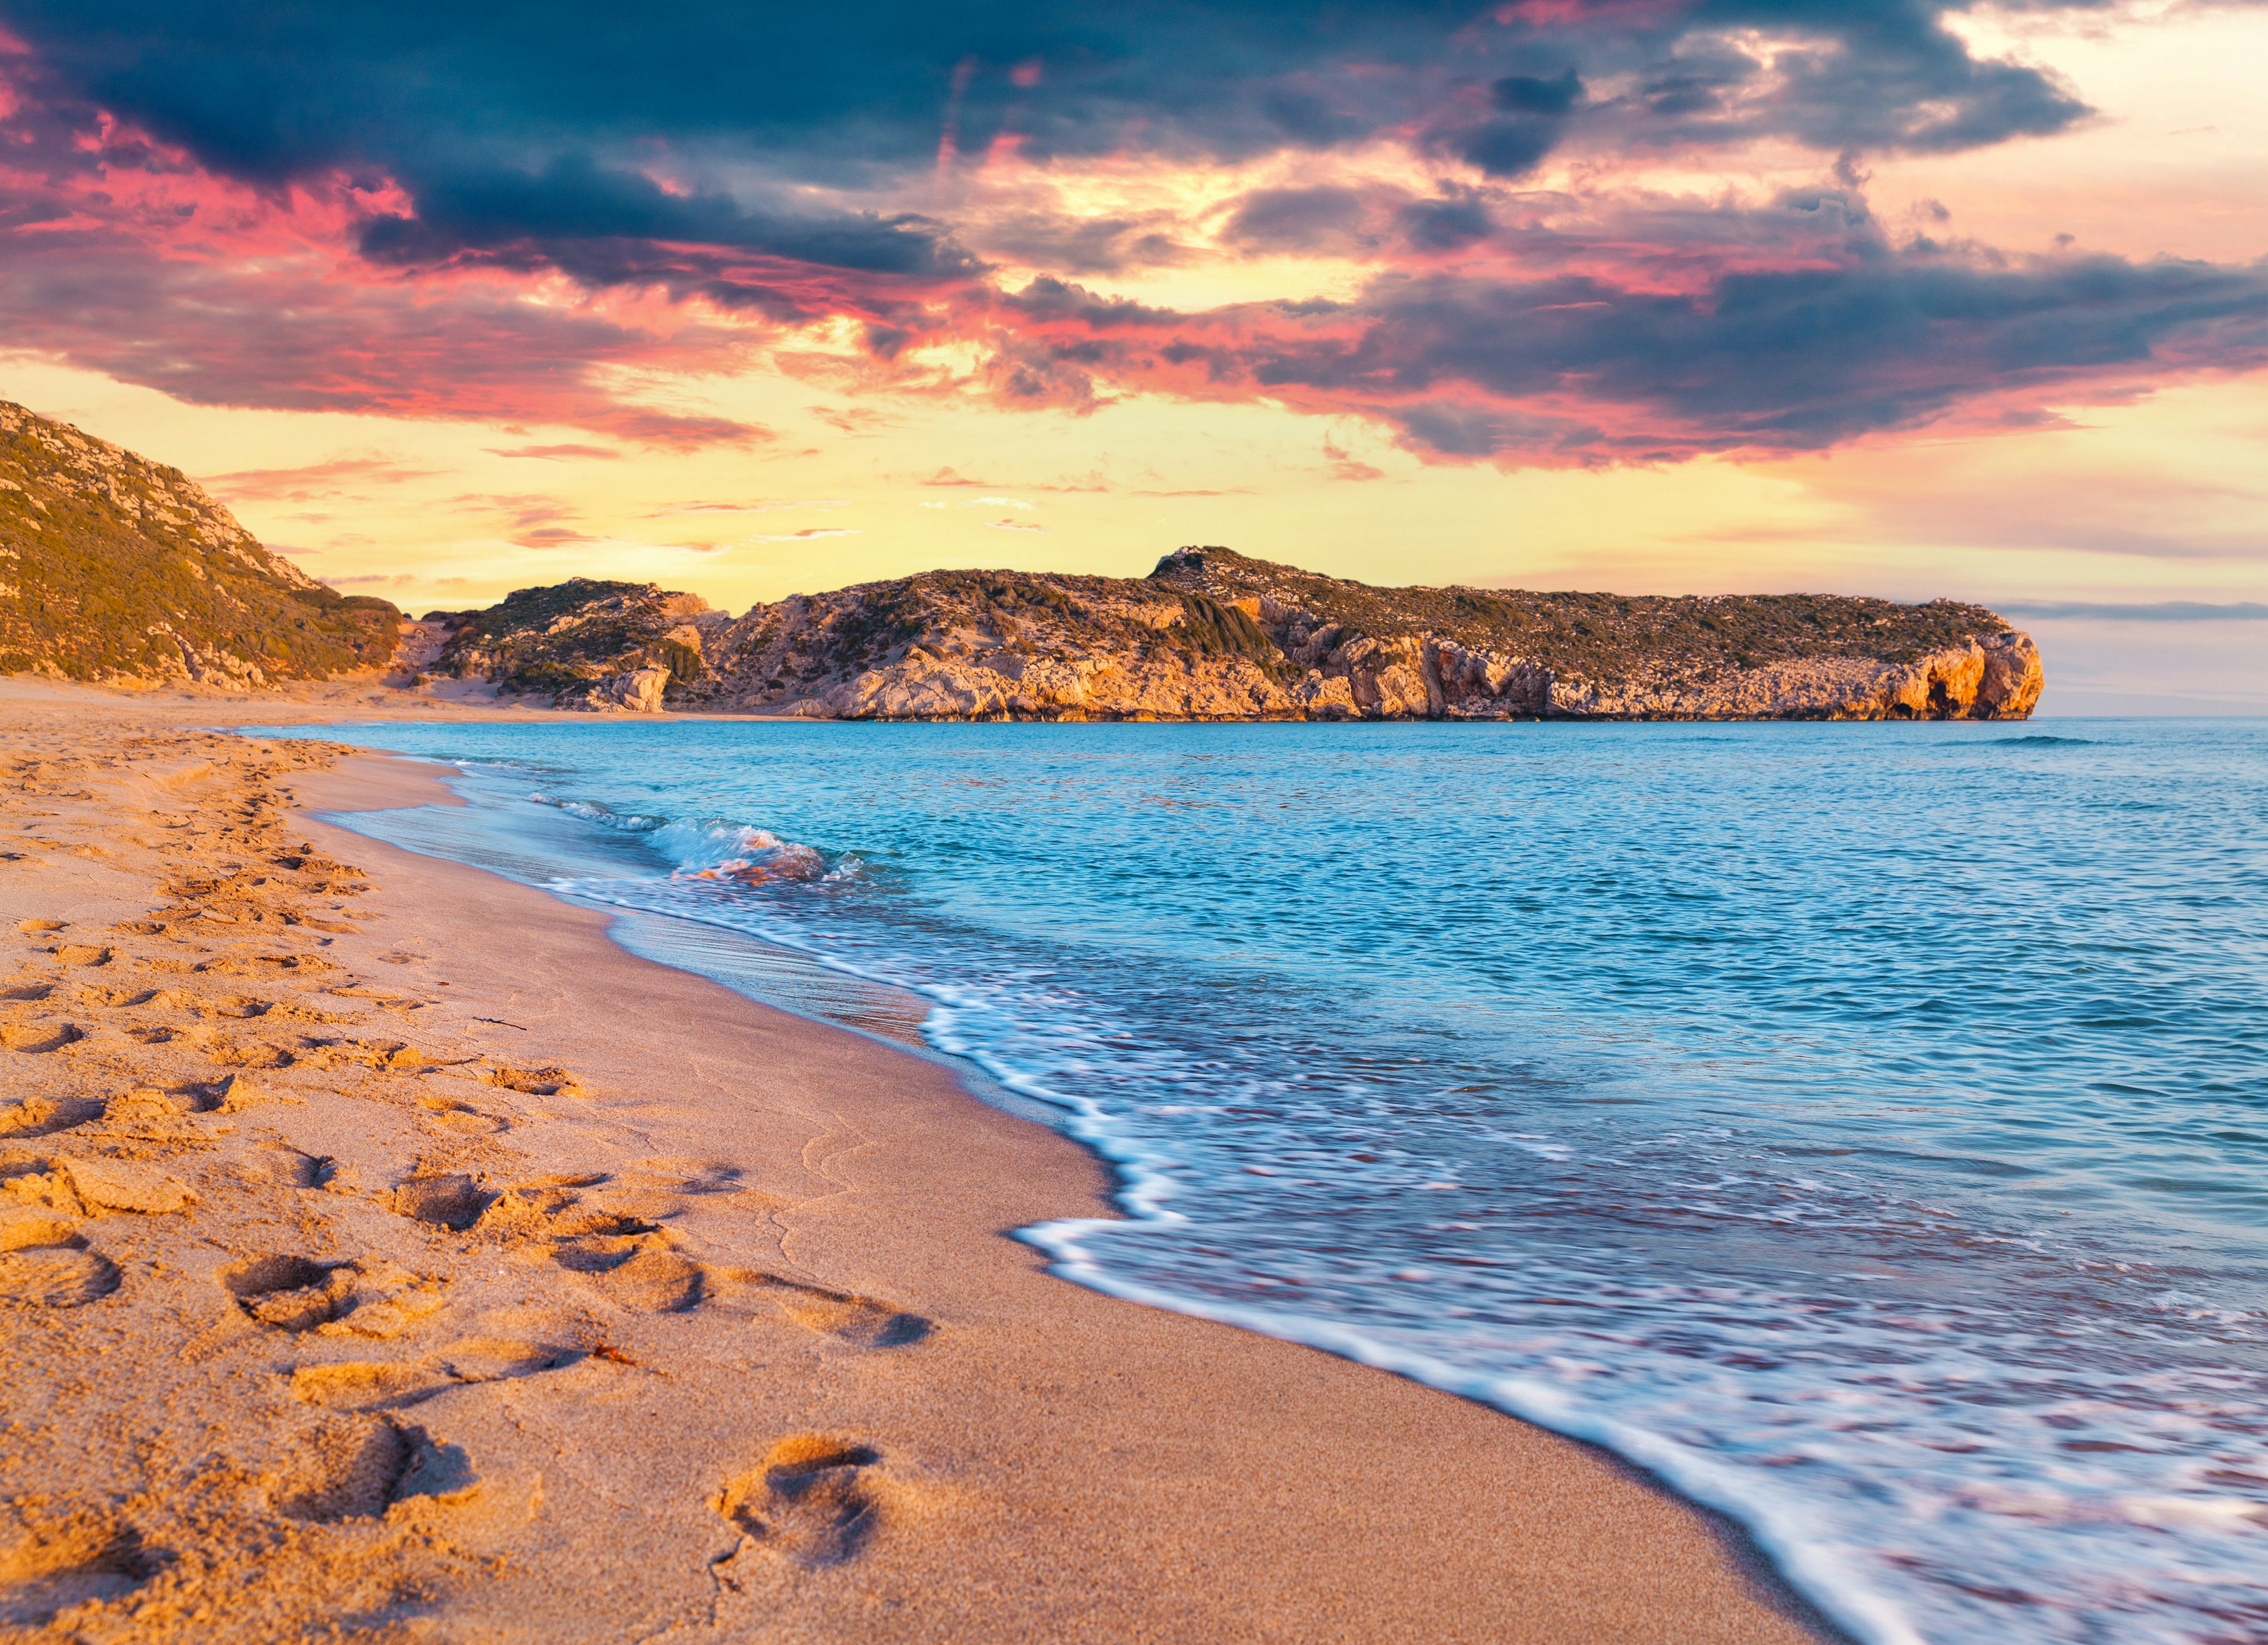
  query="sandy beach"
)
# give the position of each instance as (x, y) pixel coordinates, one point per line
(390, 1256)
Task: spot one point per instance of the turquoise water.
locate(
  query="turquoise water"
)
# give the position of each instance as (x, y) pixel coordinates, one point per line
(1865, 1128)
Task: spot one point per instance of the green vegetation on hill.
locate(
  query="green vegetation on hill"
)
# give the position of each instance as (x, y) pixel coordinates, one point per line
(1597, 636)
(562, 639)
(115, 567)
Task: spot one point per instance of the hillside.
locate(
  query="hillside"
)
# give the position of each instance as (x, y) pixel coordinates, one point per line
(115, 568)
(1212, 635)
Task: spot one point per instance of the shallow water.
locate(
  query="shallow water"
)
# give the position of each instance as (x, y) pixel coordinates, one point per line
(1863, 1127)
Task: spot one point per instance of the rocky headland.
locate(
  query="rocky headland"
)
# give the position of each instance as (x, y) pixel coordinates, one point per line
(1212, 635)
(118, 570)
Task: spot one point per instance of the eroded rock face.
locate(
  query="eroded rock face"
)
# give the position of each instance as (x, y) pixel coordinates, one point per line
(1212, 635)
(606, 647)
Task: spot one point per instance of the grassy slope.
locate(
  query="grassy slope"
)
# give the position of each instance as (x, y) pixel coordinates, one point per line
(109, 563)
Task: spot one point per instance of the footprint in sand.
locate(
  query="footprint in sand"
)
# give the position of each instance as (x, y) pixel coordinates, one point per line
(367, 1384)
(612, 1241)
(40, 927)
(36, 1038)
(289, 1293)
(251, 1053)
(45, 1116)
(279, 1165)
(812, 1504)
(387, 1055)
(644, 1273)
(356, 1467)
(390, 1385)
(550, 1209)
(447, 1114)
(83, 954)
(26, 990)
(57, 1563)
(858, 1321)
(232, 1005)
(639, 1271)
(535, 1082)
(45, 1263)
(447, 1200)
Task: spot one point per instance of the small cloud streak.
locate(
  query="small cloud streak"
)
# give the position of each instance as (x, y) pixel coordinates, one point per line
(766, 507)
(557, 453)
(1017, 525)
(341, 475)
(808, 535)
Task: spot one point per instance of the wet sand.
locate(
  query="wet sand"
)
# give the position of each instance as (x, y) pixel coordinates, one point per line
(390, 1256)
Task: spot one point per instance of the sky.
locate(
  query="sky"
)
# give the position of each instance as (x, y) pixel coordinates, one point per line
(1893, 297)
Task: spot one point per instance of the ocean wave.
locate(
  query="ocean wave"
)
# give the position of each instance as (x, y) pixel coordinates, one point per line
(600, 814)
(2042, 741)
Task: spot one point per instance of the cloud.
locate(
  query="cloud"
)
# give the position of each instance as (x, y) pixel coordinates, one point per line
(1859, 337)
(555, 454)
(855, 419)
(2159, 611)
(807, 535)
(764, 507)
(605, 129)
(552, 537)
(456, 216)
(339, 476)
(1345, 466)
(949, 478)
(1017, 525)
(1296, 219)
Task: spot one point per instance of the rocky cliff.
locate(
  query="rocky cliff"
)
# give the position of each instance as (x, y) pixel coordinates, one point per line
(583, 644)
(1212, 635)
(114, 567)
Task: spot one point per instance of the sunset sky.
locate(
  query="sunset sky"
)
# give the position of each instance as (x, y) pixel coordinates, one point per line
(1890, 297)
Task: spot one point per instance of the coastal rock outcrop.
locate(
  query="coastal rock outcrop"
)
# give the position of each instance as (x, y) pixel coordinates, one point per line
(116, 569)
(1214, 636)
(607, 647)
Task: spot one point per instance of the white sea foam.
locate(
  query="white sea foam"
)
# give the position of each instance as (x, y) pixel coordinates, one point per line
(599, 814)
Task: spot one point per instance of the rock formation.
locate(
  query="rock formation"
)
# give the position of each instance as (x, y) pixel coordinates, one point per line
(1212, 635)
(584, 643)
(114, 567)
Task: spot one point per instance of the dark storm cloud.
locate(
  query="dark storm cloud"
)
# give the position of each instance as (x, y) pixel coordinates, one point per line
(1578, 367)
(1789, 360)
(1295, 219)
(573, 199)
(514, 120)
(1457, 219)
(728, 155)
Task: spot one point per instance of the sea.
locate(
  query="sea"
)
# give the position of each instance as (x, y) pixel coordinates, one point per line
(1860, 1128)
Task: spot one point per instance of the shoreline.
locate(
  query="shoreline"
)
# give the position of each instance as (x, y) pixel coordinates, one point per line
(1028, 1458)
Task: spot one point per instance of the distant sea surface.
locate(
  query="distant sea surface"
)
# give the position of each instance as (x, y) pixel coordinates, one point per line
(1862, 1128)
